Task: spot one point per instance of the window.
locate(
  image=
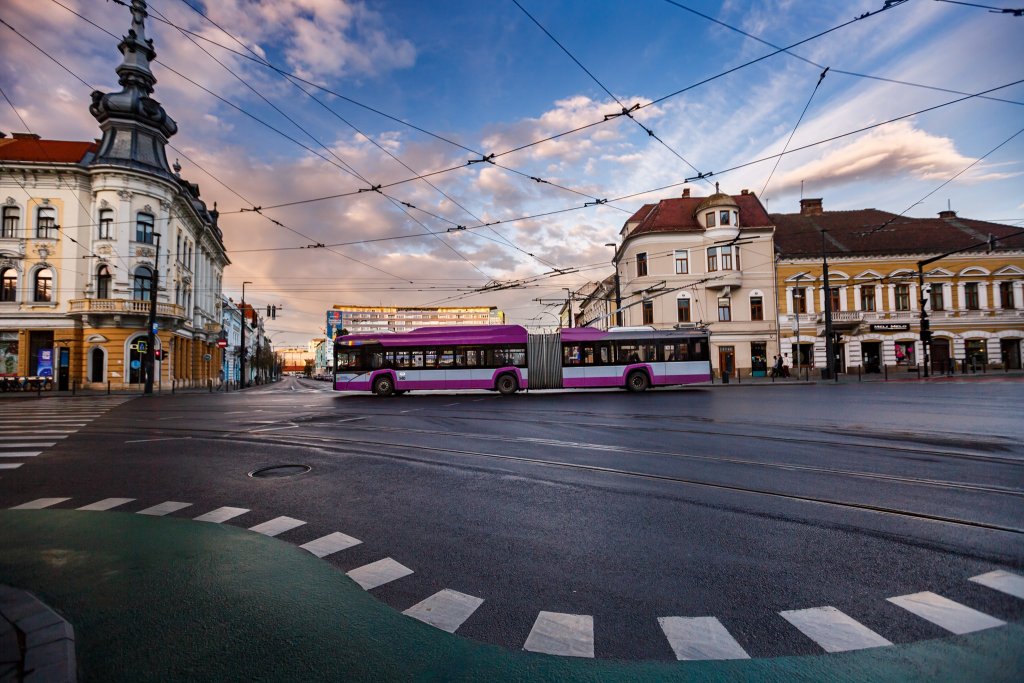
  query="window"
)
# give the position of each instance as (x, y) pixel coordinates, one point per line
(709, 219)
(641, 264)
(800, 299)
(9, 279)
(723, 217)
(144, 228)
(724, 309)
(867, 298)
(43, 285)
(975, 351)
(712, 259)
(1006, 295)
(935, 296)
(46, 223)
(106, 224)
(834, 298)
(726, 254)
(736, 258)
(682, 262)
(756, 308)
(648, 312)
(902, 297)
(736, 218)
(905, 353)
(103, 283)
(683, 309)
(143, 283)
(971, 296)
(10, 226)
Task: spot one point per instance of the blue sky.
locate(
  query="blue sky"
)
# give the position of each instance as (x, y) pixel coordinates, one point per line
(484, 75)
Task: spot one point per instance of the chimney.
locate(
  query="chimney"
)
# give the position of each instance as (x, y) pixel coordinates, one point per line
(811, 207)
(744, 191)
(25, 136)
(686, 192)
(948, 214)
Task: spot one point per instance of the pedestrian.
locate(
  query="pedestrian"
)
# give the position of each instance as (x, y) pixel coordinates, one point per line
(776, 366)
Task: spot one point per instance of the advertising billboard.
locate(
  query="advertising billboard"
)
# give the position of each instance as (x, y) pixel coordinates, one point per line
(333, 324)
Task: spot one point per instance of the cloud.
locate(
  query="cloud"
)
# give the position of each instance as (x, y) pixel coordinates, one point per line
(898, 150)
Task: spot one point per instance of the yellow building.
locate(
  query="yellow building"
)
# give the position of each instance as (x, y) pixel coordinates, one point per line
(974, 299)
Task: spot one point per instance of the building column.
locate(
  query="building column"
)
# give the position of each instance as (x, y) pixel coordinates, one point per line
(997, 296)
(843, 304)
(914, 299)
(961, 297)
(1018, 302)
(856, 298)
(892, 297)
(983, 295)
(789, 300)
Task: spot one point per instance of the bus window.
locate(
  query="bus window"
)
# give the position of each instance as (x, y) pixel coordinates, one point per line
(417, 359)
(446, 358)
(517, 357)
(648, 352)
(403, 359)
(698, 350)
(430, 360)
(376, 360)
(628, 353)
(571, 355)
(473, 358)
(604, 354)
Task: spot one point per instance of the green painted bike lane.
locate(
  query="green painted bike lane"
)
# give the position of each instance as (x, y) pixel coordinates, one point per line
(162, 599)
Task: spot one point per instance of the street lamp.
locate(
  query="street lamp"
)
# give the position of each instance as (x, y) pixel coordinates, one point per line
(796, 321)
(241, 348)
(618, 295)
(151, 335)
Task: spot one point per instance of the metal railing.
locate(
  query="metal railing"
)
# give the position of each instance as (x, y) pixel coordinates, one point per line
(125, 306)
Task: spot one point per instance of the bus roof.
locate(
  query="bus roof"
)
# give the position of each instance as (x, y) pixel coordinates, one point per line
(438, 335)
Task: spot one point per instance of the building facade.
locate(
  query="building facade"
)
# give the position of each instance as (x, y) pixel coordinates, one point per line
(89, 229)
(703, 261)
(369, 319)
(974, 299)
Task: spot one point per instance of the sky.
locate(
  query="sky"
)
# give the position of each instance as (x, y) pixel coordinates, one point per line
(381, 93)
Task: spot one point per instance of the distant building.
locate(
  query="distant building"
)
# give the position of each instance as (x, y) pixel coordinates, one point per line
(362, 319)
(974, 299)
(293, 358)
(89, 228)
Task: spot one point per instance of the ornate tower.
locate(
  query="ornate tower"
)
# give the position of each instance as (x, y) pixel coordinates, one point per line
(135, 126)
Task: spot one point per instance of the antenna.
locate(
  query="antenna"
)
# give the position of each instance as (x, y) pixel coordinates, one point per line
(801, 190)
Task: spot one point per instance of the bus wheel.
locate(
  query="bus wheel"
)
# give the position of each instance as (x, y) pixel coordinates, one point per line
(384, 385)
(637, 381)
(507, 385)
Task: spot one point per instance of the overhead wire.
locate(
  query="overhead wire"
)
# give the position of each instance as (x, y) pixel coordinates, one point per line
(793, 132)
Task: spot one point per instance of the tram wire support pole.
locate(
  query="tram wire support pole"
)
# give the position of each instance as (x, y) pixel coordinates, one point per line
(830, 360)
(149, 360)
(618, 291)
(241, 346)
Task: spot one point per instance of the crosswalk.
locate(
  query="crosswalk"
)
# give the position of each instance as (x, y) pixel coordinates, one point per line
(572, 635)
(31, 426)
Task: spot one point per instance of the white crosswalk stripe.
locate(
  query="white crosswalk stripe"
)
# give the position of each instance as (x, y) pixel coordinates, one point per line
(946, 613)
(693, 638)
(833, 630)
(1004, 582)
(106, 504)
(446, 609)
(41, 424)
(331, 543)
(276, 526)
(378, 573)
(39, 503)
(568, 635)
(221, 515)
(164, 508)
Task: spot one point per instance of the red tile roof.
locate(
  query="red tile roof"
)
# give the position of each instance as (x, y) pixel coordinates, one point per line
(874, 232)
(36, 150)
(679, 214)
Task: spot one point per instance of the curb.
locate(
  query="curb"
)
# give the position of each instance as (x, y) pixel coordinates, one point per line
(36, 643)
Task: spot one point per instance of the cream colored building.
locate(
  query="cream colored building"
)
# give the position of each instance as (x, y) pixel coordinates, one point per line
(705, 261)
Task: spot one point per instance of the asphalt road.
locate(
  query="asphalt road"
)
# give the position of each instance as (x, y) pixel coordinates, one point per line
(736, 502)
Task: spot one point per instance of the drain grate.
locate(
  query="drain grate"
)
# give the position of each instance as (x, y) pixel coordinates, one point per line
(278, 471)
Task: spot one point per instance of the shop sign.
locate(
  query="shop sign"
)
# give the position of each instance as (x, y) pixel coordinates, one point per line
(890, 327)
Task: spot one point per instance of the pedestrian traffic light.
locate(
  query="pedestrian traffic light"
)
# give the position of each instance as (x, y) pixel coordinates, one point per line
(158, 354)
(926, 332)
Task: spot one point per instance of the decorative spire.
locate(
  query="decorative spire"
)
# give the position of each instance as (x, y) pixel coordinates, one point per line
(135, 126)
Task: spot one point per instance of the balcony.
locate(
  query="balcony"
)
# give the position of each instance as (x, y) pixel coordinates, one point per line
(724, 278)
(132, 307)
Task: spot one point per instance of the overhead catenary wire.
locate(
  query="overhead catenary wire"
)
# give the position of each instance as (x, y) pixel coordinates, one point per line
(793, 132)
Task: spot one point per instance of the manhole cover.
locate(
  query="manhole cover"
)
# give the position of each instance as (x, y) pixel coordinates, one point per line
(280, 471)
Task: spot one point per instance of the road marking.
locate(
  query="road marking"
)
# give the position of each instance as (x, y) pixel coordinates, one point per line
(221, 515)
(10, 465)
(446, 609)
(449, 405)
(331, 543)
(349, 419)
(272, 429)
(694, 638)
(20, 454)
(369, 576)
(1005, 582)
(169, 438)
(39, 503)
(569, 635)
(18, 431)
(106, 504)
(946, 613)
(276, 526)
(28, 444)
(164, 508)
(411, 410)
(833, 630)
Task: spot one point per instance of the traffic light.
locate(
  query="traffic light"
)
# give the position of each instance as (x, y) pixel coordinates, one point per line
(271, 312)
(158, 354)
(926, 332)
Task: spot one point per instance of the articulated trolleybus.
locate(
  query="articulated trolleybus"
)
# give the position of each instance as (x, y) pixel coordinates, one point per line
(507, 358)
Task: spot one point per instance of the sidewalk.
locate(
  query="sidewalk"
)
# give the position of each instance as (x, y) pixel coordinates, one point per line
(163, 599)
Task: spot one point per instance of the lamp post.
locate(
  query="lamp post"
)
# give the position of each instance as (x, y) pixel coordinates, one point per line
(796, 322)
(241, 347)
(618, 295)
(151, 334)
(830, 360)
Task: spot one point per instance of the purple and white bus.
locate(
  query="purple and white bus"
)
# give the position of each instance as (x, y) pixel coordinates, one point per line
(507, 358)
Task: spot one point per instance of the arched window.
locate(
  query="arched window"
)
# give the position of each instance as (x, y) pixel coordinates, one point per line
(103, 283)
(143, 283)
(106, 224)
(11, 219)
(9, 279)
(46, 223)
(144, 228)
(43, 285)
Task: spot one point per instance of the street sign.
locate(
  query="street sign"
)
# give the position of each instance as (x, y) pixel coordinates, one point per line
(222, 343)
(140, 346)
(136, 364)
(890, 327)
(156, 326)
(207, 357)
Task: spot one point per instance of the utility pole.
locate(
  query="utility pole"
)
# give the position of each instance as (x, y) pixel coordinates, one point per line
(618, 293)
(148, 361)
(830, 360)
(241, 348)
(796, 321)
(569, 300)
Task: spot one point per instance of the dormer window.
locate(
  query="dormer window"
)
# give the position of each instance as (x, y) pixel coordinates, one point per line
(709, 219)
(723, 217)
